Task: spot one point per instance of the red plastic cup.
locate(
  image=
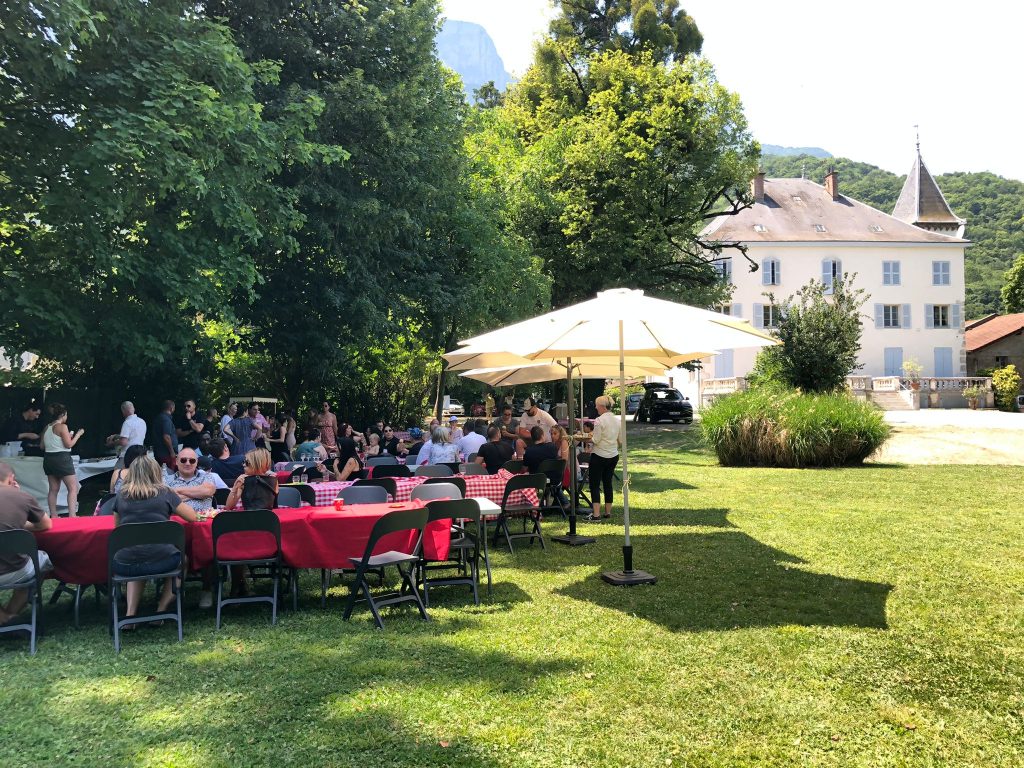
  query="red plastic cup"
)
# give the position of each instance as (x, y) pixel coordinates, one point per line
(339, 504)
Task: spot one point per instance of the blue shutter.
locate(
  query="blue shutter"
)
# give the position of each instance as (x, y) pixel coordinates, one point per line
(778, 272)
(886, 273)
(906, 317)
(765, 267)
(929, 315)
(723, 365)
(894, 361)
(895, 273)
(759, 315)
(737, 310)
(826, 273)
(838, 269)
(944, 361)
(879, 317)
(954, 317)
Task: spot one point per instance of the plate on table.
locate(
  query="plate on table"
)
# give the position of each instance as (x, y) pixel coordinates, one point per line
(396, 506)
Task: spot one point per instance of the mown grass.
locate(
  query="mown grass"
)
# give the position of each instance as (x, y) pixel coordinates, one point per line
(868, 617)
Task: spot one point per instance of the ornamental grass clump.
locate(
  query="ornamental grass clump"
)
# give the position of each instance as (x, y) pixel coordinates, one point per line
(773, 427)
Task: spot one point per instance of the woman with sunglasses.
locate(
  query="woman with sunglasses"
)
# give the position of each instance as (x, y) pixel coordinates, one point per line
(392, 444)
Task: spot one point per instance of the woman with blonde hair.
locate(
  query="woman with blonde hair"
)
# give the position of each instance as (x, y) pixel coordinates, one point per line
(58, 466)
(257, 489)
(603, 457)
(442, 449)
(144, 498)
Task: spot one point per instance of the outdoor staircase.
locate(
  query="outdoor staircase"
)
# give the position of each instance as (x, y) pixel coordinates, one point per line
(890, 401)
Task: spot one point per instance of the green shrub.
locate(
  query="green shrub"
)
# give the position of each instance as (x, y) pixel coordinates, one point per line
(1006, 383)
(774, 427)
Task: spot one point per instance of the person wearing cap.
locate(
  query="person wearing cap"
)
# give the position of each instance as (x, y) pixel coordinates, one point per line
(532, 417)
(454, 430)
(416, 438)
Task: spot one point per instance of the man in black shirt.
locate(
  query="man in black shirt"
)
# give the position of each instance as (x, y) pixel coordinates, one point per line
(191, 426)
(538, 451)
(24, 428)
(495, 452)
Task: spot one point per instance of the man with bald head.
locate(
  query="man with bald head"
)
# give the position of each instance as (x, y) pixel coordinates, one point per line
(133, 429)
(194, 486)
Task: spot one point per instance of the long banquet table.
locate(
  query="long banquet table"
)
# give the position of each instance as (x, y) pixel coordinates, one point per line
(483, 486)
(311, 537)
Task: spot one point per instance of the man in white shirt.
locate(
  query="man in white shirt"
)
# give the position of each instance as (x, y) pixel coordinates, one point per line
(133, 430)
(471, 441)
(532, 417)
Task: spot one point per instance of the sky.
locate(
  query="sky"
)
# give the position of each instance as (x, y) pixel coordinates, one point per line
(852, 78)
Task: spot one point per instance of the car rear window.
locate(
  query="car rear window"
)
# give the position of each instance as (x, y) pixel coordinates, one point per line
(667, 394)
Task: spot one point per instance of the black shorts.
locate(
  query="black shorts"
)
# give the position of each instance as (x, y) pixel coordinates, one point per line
(58, 464)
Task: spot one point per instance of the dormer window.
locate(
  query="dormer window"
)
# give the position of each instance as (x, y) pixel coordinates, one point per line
(820, 228)
(875, 228)
(760, 228)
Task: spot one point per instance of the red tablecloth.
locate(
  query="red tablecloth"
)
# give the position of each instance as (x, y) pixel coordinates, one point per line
(311, 537)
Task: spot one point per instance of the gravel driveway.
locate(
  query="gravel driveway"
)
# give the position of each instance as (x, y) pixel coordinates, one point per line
(954, 436)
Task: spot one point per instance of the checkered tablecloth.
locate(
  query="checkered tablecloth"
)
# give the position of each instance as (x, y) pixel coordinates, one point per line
(487, 486)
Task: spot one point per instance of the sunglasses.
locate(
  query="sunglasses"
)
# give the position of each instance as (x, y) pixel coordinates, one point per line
(187, 461)
(388, 430)
(246, 463)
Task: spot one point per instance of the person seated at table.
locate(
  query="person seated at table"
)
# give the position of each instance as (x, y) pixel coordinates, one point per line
(348, 431)
(539, 449)
(311, 446)
(495, 452)
(415, 442)
(347, 465)
(222, 463)
(144, 498)
(19, 510)
(377, 428)
(130, 455)
(393, 444)
(473, 437)
(442, 449)
(373, 448)
(454, 429)
(194, 486)
(257, 489)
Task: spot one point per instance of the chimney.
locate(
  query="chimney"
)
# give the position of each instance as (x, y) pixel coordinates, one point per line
(832, 183)
(757, 187)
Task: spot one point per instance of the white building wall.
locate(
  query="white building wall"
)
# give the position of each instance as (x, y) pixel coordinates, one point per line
(801, 262)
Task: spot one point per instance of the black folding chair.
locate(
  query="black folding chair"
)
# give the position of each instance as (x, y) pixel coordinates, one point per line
(246, 521)
(391, 470)
(472, 469)
(434, 470)
(395, 522)
(306, 492)
(431, 491)
(465, 544)
(288, 496)
(220, 496)
(21, 542)
(524, 512)
(583, 462)
(515, 466)
(387, 483)
(135, 534)
(458, 482)
(552, 469)
(385, 459)
(363, 494)
(311, 473)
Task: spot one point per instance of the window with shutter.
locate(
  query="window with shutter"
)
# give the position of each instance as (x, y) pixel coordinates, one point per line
(890, 273)
(940, 273)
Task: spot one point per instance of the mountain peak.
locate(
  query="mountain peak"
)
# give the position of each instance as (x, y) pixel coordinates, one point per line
(466, 48)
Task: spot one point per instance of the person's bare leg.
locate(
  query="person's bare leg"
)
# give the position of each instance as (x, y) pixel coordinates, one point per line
(53, 488)
(166, 597)
(134, 596)
(608, 509)
(19, 598)
(72, 485)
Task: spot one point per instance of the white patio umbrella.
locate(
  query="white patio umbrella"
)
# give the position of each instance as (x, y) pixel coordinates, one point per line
(627, 324)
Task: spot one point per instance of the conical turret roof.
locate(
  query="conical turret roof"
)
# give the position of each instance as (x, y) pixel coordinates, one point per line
(922, 203)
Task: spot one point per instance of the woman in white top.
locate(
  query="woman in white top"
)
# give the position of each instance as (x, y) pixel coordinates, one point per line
(442, 449)
(603, 458)
(57, 463)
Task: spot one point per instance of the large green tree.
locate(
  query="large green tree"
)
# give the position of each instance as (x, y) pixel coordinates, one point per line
(1013, 288)
(134, 161)
(627, 147)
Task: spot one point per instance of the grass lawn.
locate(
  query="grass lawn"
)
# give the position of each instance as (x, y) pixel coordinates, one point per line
(869, 617)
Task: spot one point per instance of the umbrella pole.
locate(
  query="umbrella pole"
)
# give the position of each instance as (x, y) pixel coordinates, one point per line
(571, 538)
(627, 577)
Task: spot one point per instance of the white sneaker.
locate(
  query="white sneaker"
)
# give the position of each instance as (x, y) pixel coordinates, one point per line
(206, 599)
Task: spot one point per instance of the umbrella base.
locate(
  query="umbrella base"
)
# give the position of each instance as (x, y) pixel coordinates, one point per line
(573, 539)
(628, 578)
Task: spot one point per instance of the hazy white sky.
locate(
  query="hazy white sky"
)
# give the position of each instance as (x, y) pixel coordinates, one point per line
(853, 78)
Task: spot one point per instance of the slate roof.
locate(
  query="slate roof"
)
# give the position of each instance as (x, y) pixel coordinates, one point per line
(921, 201)
(799, 210)
(981, 333)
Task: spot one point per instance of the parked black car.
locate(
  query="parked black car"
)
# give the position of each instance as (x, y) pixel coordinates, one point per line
(661, 403)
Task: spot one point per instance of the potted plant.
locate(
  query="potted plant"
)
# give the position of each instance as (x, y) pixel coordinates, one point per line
(912, 373)
(972, 394)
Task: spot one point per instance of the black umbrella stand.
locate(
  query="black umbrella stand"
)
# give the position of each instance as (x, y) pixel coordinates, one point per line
(571, 538)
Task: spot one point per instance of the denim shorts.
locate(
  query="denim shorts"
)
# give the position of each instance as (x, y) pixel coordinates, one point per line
(148, 568)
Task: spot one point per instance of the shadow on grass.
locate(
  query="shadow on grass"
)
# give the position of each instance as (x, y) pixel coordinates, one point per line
(648, 482)
(729, 580)
(709, 517)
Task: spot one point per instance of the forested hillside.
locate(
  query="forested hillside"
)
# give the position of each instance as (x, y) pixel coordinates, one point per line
(992, 205)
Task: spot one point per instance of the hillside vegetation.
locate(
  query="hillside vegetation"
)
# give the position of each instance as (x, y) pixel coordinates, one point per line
(992, 205)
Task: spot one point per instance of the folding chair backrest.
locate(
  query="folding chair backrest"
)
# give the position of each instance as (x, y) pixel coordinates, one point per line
(552, 469)
(220, 496)
(394, 522)
(429, 491)
(106, 504)
(434, 470)
(458, 482)
(471, 458)
(20, 542)
(306, 492)
(133, 534)
(391, 470)
(454, 509)
(311, 473)
(288, 496)
(515, 466)
(473, 469)
(382, 460)
(246, 520)
(387, 483)
(536, 481)
(363, 494)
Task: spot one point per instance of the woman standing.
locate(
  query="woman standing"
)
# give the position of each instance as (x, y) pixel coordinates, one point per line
(145, 499)
(57, 464)
(603, 458)
(277, 437)
(285, 418)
